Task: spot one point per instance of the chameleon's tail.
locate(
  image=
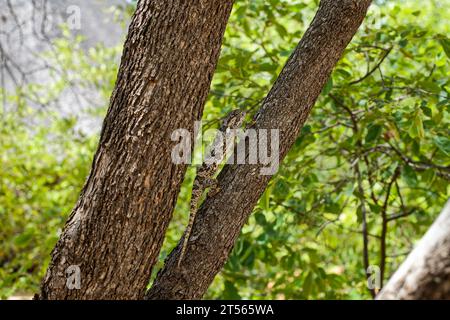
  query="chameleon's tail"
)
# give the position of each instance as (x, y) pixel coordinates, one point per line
(187, 233)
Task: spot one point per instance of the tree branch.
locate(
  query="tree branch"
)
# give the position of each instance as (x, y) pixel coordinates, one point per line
(286, 108)
(364, 226)
(377, 66)
(384, 226)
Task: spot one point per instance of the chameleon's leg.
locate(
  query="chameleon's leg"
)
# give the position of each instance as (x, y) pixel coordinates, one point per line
(213, 187)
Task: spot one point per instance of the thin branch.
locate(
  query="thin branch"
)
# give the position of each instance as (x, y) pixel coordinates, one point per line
(360, 190)
(364, 226)
(400, 215)
(385, 54)
(358, 143)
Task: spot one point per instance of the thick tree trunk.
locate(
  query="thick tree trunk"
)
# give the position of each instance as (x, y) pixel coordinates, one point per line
(114, 234)
(286, 107)
(425, 274)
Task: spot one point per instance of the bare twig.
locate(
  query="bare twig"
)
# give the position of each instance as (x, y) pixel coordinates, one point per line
(385, 54)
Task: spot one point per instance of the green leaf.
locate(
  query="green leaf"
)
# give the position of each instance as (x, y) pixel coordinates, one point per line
(344, 73)
(426, 110)
(430, 86)
(268, 67)
(260, 219)
(281, 30)
(359, 216)
(266, 198)
(445, 43)
(416, 129)
(428, 175)
(230, 292)
(328, 86)
(403, 42)
(23, 239)
(374, 208)
(373, 133)
(443, 143)
(333, 207)
(409, 175)
(307, 284)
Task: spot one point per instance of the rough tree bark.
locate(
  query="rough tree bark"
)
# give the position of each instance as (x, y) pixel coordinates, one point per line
(286, 107)
(425, 274)
(116, 229)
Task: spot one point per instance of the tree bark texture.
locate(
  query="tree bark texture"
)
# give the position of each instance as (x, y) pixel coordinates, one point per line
(286, 108)
(425, 274)
(116, 229)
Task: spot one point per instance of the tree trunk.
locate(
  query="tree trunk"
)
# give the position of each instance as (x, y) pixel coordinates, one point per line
(425, 274)
(114, 234)
(286, 107)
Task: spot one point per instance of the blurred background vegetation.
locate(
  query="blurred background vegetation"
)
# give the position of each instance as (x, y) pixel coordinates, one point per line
(376, 149)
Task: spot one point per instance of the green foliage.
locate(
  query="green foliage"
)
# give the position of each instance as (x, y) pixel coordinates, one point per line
(384, 113)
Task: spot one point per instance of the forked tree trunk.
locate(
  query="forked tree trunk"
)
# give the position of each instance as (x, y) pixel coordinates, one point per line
(115, 232)
(425, 274)
(286, 107)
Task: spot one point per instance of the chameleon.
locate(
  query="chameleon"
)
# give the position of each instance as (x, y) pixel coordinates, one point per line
(204, 178)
